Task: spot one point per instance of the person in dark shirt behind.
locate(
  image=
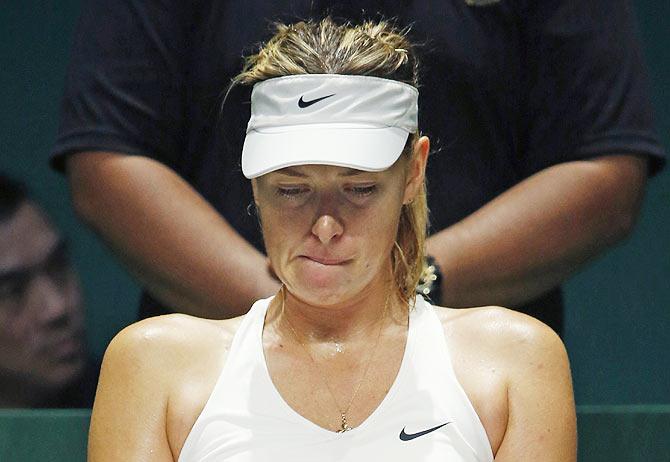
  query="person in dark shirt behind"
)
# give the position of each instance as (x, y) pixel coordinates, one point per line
(43, 357)
(540, 108)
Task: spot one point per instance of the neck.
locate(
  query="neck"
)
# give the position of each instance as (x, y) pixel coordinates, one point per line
(343, 322)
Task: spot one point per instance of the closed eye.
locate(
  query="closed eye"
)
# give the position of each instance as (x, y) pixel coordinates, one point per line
(13, 287)
(362, 191)
(291, 192)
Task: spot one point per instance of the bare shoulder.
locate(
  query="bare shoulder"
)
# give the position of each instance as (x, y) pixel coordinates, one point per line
(497, 352)
(509, 337)
(162, 369)
(161, 355)
(170, 339)
(534, 416)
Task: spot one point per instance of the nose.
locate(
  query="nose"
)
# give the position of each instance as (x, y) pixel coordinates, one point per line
(50, 299)
(326, 228)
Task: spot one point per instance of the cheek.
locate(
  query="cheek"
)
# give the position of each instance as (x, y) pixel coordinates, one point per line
(15, 331)
(280, 229)
(376, 229)
(385, 228)
(73, 291)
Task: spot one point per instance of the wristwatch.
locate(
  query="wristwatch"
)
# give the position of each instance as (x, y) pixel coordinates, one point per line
(430, 282)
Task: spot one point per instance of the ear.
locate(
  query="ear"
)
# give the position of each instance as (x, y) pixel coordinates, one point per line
(416, 170)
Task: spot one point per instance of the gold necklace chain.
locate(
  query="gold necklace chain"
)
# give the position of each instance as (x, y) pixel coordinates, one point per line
(344, 425)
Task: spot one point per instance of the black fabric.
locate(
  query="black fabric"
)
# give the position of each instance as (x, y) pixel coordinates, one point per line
(507, 90)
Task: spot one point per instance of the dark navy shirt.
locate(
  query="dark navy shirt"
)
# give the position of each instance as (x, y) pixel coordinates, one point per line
(507, 89)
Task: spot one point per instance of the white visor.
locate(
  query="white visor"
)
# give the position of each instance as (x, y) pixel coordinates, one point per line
(350, 121)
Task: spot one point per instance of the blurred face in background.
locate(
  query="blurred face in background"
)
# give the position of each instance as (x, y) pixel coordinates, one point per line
(41, 312)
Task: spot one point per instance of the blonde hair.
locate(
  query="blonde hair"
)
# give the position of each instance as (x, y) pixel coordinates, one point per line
(372, 48)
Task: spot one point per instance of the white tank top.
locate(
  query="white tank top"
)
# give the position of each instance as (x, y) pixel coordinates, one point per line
(426, 415)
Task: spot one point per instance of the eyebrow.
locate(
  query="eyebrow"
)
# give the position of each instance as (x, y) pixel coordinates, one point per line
(22, 271)
(291, 171)
(353, 172)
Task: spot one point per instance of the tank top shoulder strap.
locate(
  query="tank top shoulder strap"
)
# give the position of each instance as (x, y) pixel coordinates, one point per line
(245, 350)
(433, 354)
(233, 382)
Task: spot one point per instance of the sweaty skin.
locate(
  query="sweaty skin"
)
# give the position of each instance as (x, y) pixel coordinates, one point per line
(329, 232)
(520, 385)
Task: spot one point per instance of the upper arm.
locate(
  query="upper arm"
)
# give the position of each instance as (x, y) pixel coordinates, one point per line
(128, 421)
(103, 181)
(541, 410)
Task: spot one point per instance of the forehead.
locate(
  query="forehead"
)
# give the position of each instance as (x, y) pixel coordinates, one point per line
(26, 237)
(329, 171)
(302, 171)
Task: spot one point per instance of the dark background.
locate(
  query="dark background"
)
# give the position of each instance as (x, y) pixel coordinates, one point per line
(618, 308)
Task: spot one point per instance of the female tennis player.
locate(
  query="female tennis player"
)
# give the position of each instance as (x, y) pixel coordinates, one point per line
(345, 362)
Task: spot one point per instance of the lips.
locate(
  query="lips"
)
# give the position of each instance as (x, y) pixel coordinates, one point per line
(328, 261)
(67, 348)
(64, 345)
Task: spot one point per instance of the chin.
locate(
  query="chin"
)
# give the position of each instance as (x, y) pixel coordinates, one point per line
(324, 292)
(320, 298)
(322, 285)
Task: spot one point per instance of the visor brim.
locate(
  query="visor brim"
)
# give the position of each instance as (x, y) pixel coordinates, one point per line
(361, 148)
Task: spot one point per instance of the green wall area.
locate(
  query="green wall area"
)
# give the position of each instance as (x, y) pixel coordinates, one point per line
(632, 434)
(618, 308)
(35, 39)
